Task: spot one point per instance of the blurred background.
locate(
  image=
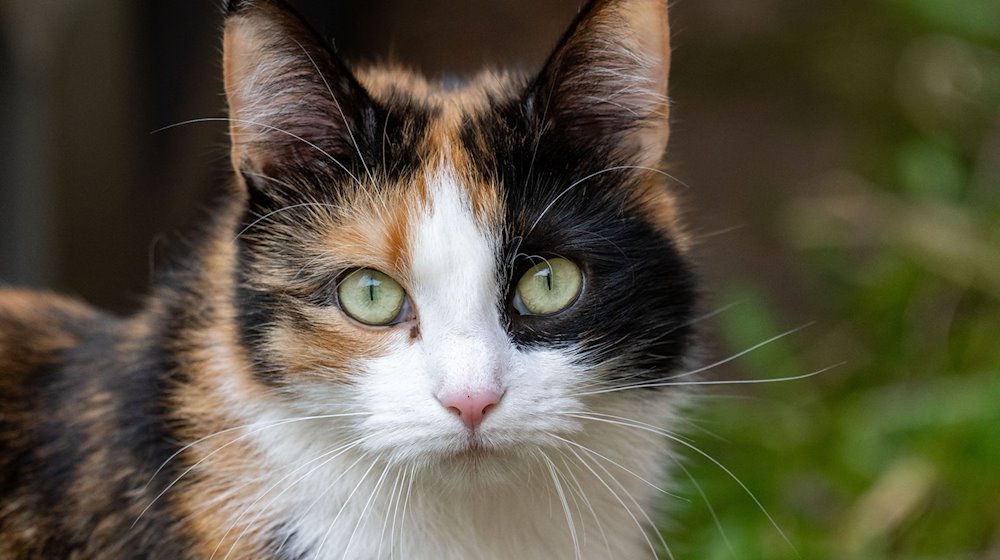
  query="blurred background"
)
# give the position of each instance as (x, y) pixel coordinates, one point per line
(840, 163)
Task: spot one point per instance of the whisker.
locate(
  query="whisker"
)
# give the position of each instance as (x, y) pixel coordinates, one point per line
(667, 381)
(700, 318)
(393, 497)
(599, 347)
(364, 510)
(711, 510)
(565, 504)
(406, 504)
(617, 464)
(586, 500)
(280, 210)
(227, 444)
(319, 549)
(642, 426)
(323, 494)
(800, 377)
(251, 425)
(587, 178)
(638, 506)
(336, 451)
(343, 117)
(618, 498)
(593, 453)
(267, 127)
(742, 353)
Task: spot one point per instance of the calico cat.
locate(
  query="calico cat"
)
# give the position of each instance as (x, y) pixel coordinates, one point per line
(428, 322)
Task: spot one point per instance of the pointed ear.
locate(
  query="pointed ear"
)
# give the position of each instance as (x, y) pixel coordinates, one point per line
(293, 104)
(605, 85)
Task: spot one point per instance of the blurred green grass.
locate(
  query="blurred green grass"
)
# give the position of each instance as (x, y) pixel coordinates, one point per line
(896, 453)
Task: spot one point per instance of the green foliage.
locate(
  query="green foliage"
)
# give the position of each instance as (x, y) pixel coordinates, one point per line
(896, 453)
(977, 20)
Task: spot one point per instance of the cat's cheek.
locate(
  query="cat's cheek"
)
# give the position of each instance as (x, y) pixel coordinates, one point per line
(543, 384)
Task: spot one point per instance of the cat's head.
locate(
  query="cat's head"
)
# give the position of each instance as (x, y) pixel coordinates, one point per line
(464, 272)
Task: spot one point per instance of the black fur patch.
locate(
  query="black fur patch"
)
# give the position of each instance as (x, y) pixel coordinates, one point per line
(572, 199)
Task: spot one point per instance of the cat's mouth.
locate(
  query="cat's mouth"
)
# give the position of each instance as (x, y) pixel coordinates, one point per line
(476, 450)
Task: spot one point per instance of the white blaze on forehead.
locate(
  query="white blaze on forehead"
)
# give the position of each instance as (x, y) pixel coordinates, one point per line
(454, 287)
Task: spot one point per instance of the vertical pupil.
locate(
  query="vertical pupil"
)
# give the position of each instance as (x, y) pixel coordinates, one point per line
(372, 284)
(548, 278)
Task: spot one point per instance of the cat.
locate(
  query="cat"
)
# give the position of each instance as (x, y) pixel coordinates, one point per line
(426, 322)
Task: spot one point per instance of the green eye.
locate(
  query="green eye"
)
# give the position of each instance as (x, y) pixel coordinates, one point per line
(548, 287)
(371, 297)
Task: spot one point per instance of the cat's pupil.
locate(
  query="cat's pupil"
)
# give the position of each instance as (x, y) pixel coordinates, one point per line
(546, 273)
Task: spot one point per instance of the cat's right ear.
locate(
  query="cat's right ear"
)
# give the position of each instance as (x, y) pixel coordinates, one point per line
(294, 106)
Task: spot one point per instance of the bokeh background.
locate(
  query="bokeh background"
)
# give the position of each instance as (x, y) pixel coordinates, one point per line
(840, 163)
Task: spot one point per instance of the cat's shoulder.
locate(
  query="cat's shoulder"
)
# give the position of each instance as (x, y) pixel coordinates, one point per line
(36, 327)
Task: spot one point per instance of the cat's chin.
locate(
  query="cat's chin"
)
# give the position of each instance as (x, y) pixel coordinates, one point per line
(482, 467)
(476, 460)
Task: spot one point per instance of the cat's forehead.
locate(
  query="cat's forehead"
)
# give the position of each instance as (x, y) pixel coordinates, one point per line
(447, 113)
(467, 152)
(445, 99)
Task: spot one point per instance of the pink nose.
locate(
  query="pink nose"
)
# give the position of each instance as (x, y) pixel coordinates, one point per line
(471, 407)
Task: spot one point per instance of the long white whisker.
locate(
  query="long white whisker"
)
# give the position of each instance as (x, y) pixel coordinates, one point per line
(246, 509)
(719, 381)
(243, 427)
(406, 504)
(711, 510)
(586, 501)
(280, 210)
(364, 510)
(329, 455)
(742, 353)
(587, 178)
(319, 549)
(227, 444)
(343, 117)
(393, 497)
(397, 510)
(565, 504)
(322, 494)
(668, 381)
(696, 320)
(672, 437)
(268, 127)
(618, 498)
(619, 465)
(638, 506)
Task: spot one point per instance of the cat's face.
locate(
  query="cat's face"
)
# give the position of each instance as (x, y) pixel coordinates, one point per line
(457, 270)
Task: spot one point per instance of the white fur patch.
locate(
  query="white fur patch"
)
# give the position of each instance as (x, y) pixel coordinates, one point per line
(455, 289)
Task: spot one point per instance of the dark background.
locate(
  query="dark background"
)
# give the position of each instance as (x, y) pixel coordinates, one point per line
(840, 165)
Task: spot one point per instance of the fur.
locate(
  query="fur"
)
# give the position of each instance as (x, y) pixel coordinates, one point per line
(243, 414)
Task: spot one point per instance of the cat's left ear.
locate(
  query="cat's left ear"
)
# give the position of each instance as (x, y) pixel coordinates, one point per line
(293, 104)
(604, 87)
